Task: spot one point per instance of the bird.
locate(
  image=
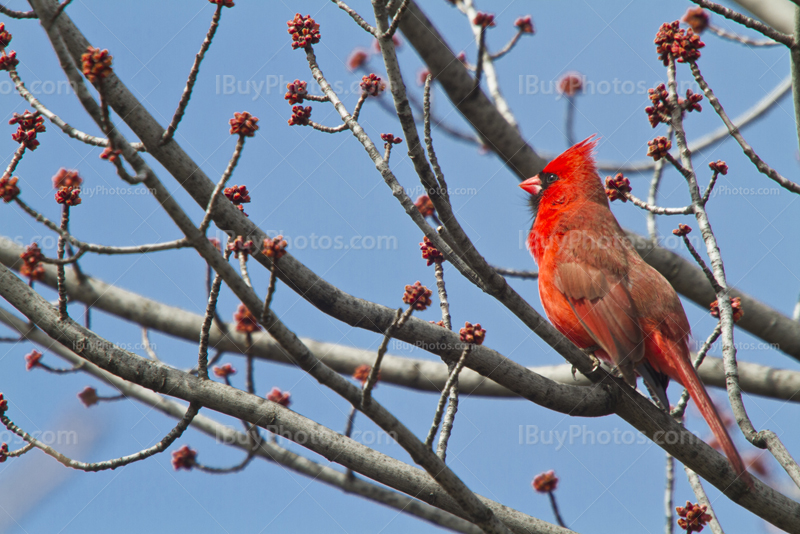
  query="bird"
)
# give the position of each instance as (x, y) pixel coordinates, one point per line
(599, 293)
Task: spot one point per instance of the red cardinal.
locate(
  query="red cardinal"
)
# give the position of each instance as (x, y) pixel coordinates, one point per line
(598, 292)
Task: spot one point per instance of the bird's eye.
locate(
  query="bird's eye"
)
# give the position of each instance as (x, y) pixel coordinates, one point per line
(551, 178)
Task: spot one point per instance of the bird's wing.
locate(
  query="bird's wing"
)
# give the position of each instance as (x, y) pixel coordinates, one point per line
(592, 277)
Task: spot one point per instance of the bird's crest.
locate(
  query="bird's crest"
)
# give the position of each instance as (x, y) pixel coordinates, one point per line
(578, 156)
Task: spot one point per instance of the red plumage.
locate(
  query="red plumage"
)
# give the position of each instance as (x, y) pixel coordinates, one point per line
(597, 290)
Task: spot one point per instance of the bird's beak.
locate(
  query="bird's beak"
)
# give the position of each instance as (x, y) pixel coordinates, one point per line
(532, 185)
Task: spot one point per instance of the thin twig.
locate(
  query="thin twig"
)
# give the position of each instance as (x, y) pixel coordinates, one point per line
(19, 452)
(356, 17)
(18, 14)
(342, 127)
(162, 445)
(743, 39)
(60, 9)
(702, 499)
(569, 120)
(795, 66)
(758, 111)
(486, 63)
(58, 370)
(744, 20)
(669, 490)
(765, 438)
(400, 318)
(443, 304)
(148, 348)
(710, 188)
(62, 288)
(273, 283)
(55, 119)
(15, 159)
(762, 167)
(479, 65)
(507, 48)
(237, 152)
(187, 91)
(652, 195)
(426, 114)
(395, 20)
(243, 269)
(451, 379)
(657, 210)
(98, 249)
(516, 273)
(211, 308)
(710, 275)
(554, 506)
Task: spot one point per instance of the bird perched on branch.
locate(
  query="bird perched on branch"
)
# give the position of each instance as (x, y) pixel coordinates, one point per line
(599, 293)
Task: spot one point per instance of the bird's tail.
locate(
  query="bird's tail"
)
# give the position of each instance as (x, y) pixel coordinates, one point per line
(690, 380)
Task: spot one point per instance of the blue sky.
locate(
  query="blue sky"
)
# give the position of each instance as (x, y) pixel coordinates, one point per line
(305, 183)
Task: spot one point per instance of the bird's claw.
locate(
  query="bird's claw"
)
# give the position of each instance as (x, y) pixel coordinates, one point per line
(589, 351)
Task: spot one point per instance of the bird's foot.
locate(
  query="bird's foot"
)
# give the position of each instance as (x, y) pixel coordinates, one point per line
(589, 351)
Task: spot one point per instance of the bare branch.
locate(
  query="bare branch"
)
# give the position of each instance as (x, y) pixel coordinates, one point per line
(734, 131)
(744, 20)
(187, 91)
(161, 446)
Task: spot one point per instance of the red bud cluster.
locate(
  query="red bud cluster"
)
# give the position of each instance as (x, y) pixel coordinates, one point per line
(32, 359)
(275, 248)
(718, 166)
(430, 252)
(697, 19)
(281, 397)
(425, 206)
(658, 148)
(243, 124)
(682, 230)
(9, 188)
(5, 37)
(693, 517)
(8, 61)
(184, 458)
(736, 304)
(31, 263)
(304, 31)
(484, 20)
(245, 321)
(390, 139)
(418, 296)
(472, 333)
(617, 187)
(570, 84)
(224, 371)
(238, 194)
(240, 246)
(296, 91)
(545, 482)
(525, 24)
(88, 396)
(672, 40)
(372, 85)
(300, 116)
(96, 64)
